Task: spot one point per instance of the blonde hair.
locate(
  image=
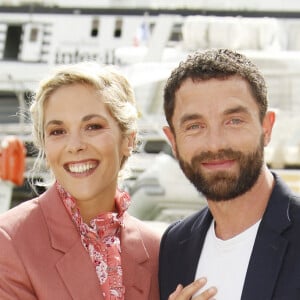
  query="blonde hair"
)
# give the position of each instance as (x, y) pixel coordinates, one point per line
(114, 88)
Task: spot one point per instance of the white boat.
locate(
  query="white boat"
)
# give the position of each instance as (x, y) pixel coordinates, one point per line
(146, 47)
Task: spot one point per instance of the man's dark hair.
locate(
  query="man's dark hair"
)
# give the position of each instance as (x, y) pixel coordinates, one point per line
(216, 63)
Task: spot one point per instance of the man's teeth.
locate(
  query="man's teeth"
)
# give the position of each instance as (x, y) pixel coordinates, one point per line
(81, 168)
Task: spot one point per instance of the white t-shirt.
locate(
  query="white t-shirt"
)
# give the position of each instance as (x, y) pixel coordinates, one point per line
(225, 263)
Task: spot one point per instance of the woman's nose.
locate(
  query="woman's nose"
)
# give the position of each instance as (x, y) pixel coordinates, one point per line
(76, 143)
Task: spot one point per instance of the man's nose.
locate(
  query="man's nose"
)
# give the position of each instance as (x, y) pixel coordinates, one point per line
(215, 139)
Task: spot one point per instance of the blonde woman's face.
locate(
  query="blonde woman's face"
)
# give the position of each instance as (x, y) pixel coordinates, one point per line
(84, 146)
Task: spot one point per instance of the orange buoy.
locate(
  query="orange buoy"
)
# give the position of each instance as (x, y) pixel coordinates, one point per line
(12, 160)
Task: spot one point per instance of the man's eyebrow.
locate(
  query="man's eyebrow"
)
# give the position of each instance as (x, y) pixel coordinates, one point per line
(190, 117)
(229, 111)
(236, 109)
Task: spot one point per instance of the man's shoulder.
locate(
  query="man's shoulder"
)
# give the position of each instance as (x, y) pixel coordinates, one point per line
(294, 207)
(284, 195)
(184, 227)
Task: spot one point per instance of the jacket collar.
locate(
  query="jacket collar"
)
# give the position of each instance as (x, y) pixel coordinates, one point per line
(270, 245)
(75, 266)
(190, 246)
(268, 251)
(137, 278)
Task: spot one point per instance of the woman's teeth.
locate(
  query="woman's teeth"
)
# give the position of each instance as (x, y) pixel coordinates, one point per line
(81, 168)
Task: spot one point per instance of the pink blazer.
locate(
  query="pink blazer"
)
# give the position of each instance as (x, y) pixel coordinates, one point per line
(41, 255)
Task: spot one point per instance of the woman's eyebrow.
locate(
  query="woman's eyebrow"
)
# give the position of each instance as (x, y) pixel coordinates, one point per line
(53, 122)
(91, 116)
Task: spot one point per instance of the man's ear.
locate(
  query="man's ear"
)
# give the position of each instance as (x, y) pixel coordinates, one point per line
(268, 124)
(169, 134)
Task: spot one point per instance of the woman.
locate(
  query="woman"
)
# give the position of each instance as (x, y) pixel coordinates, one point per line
(76, 240)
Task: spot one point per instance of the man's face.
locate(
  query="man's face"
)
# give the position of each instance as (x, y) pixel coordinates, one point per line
(223, 185)
(218, 137)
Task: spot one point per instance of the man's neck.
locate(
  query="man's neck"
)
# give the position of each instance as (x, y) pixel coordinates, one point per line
(236, 215)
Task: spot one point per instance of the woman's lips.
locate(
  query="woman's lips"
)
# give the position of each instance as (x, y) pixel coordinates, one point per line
(81, 167)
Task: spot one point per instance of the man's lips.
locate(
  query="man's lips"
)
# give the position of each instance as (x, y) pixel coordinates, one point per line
(81, 167)
(218, 163)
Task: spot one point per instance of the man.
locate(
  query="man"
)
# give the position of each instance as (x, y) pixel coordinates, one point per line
(247, 241)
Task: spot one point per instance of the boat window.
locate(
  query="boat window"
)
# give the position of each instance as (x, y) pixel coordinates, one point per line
(14, 108)
(95, 27)
(118, 28)
(157, 146)
(9, 108)
(12, 42)
(176, 33)
(151, 27)
(33, 34)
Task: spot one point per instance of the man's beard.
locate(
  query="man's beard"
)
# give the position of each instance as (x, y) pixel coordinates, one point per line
(223, 185)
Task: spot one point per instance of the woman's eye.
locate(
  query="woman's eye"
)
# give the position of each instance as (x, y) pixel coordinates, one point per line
(94, 127)
(56, 132)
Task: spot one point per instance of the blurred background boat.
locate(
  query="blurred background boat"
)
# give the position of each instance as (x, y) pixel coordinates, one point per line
(146, 40)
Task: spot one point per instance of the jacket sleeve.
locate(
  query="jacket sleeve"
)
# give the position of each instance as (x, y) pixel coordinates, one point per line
(14, 280)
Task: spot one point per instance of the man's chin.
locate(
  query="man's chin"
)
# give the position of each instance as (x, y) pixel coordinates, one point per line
(218, 188)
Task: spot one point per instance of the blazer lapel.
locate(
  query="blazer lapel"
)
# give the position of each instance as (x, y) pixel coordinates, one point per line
(78, 274)
(75, 267)
(137, 278)
(190, 249)
(269, 248)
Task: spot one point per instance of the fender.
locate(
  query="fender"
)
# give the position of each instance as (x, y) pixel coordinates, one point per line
(12, 160)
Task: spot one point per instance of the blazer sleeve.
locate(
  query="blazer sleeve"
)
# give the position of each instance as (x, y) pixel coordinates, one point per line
(14, 281)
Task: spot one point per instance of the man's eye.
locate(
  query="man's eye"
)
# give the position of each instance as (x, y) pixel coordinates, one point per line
(194, 126)
(235, 121)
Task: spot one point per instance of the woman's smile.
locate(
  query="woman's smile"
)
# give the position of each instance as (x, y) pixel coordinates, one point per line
(82, 168)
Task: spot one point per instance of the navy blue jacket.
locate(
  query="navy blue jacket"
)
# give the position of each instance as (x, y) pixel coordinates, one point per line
(274, 266)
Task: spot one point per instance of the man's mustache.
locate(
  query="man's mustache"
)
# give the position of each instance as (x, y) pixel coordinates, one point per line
(222, 154)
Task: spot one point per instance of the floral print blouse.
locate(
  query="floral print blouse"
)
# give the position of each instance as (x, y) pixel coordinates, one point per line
(101, 239)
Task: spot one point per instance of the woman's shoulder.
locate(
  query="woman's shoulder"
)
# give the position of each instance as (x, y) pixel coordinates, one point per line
(146, 228)
(138, 236)
(20, 217)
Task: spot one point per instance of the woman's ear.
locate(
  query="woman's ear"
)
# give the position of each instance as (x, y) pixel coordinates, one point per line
(129, 143)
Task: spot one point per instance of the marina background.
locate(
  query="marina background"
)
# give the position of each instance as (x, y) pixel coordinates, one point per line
(146, 40)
